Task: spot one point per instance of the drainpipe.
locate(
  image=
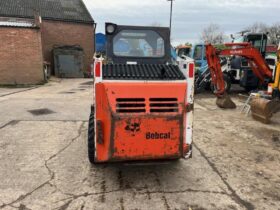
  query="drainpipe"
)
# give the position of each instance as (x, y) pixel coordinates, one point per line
(94, 29)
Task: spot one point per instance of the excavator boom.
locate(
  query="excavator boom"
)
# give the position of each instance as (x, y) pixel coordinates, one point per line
(223, 100)
(254, 57)
(215, 69)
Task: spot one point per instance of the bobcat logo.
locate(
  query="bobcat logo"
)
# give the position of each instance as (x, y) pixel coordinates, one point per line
(133, 126)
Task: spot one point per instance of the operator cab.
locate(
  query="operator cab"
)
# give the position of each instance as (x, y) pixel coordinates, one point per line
(183, 51)
(247, 78)
(138, 44)
(199, 56)
(259, 41)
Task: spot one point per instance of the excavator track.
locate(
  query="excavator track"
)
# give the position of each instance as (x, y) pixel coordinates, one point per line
(263, 109)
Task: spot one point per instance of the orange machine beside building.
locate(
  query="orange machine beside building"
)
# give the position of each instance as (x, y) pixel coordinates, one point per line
(143, 103)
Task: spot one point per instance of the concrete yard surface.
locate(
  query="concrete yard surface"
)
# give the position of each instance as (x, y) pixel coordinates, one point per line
(44, 165)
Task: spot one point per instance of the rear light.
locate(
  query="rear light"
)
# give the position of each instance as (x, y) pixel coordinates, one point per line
(191, 70)
(97, 69)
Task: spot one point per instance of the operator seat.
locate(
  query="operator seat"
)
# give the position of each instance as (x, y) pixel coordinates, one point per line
(136, 53)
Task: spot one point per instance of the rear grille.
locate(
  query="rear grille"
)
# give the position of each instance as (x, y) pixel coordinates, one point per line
(130, 105)
(137, 105)
(142, 72)
(161, 105)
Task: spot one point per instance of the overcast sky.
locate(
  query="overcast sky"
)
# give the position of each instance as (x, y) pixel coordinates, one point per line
(189, 16)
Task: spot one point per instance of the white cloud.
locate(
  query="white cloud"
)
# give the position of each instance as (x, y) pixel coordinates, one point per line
(189, 17)
(120, 4)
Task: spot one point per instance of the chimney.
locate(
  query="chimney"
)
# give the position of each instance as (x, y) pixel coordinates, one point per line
(37, 19)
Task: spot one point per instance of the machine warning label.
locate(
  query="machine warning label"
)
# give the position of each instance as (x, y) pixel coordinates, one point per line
(156, 135)
(133, 126)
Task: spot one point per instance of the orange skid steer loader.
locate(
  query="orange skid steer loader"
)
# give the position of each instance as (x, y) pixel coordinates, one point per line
(142, 103)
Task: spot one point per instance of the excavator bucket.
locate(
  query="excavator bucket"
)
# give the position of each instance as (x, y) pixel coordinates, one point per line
(263, 109)
(224, 101)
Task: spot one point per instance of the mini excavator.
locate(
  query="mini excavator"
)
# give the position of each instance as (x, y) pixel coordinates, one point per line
(263, 107)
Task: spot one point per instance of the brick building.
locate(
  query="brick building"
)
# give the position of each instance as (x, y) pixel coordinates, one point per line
(21, 55)
(26, 41)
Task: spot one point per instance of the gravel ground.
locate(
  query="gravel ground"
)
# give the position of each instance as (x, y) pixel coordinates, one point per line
(43, 158)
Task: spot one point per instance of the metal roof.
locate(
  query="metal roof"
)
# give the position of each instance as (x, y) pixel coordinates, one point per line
(64, 10)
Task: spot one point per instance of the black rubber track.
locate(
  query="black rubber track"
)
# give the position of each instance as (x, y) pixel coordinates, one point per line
(91, 136)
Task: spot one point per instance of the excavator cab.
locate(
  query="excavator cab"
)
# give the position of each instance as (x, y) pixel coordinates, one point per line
(258, 41)
(248, 79)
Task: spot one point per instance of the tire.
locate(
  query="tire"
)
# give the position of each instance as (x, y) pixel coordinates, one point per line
(227, 84)
(91, 139)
